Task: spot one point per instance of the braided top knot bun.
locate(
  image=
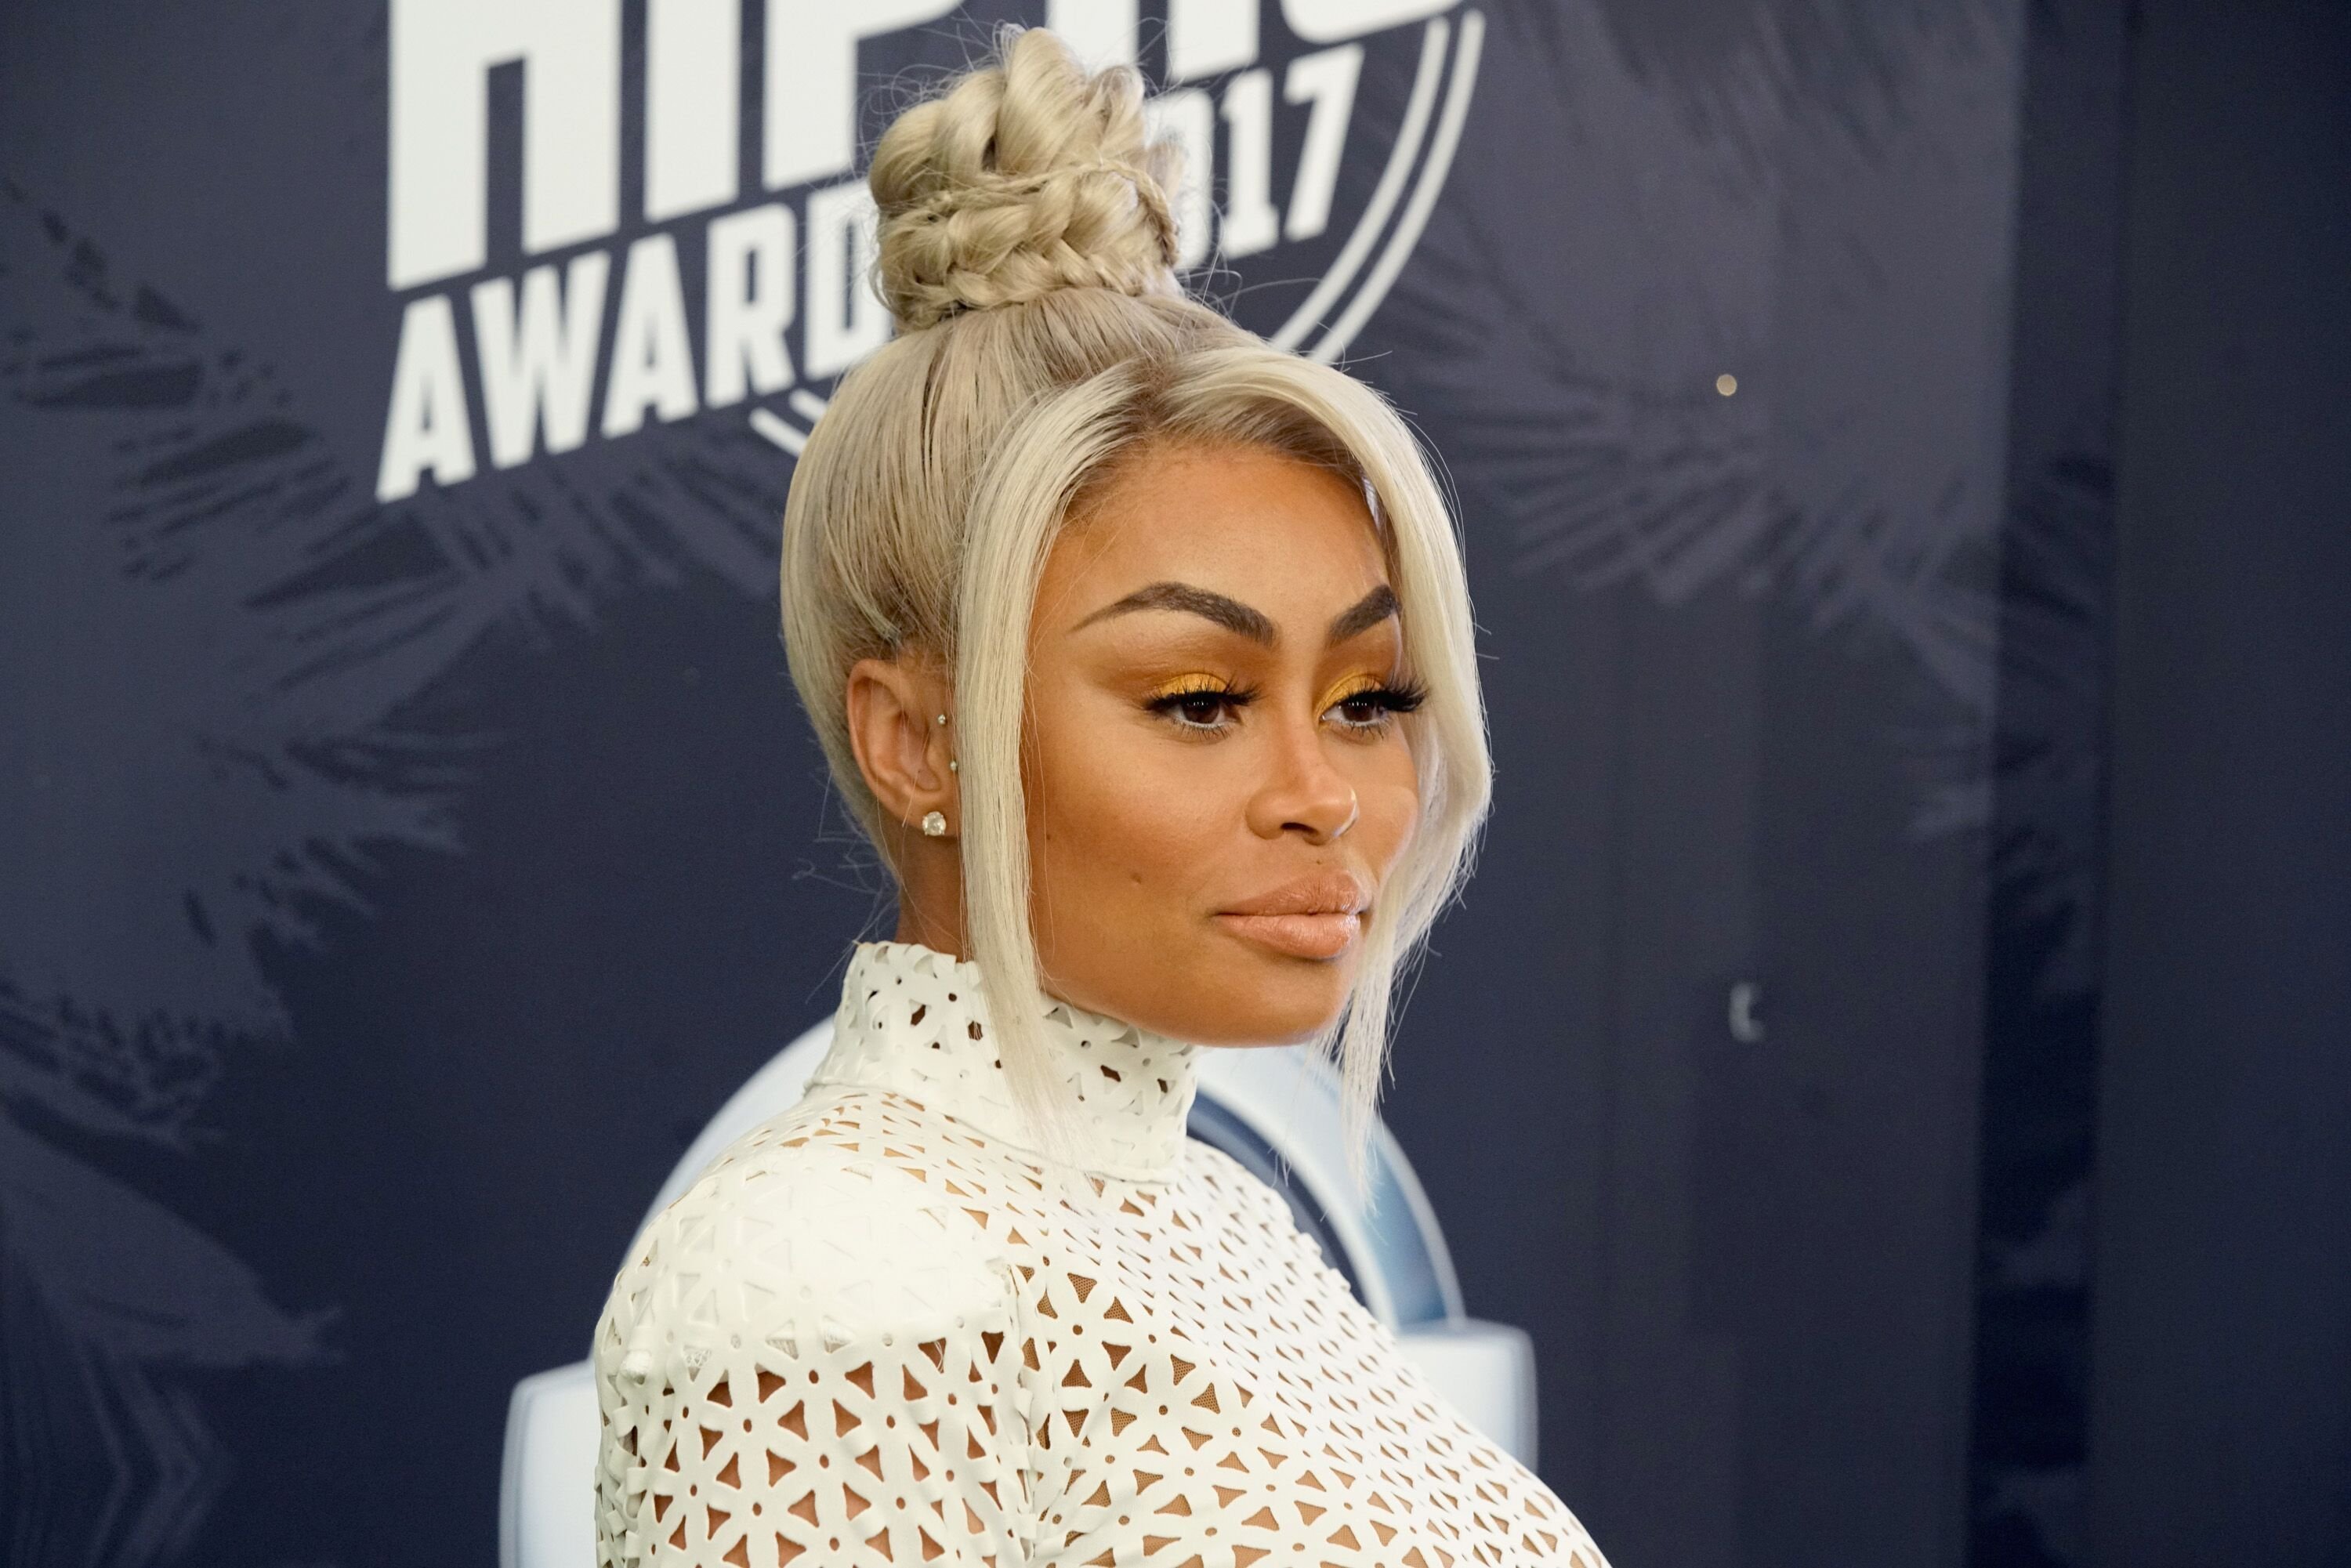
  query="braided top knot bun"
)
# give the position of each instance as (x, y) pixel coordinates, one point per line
(1029, 176)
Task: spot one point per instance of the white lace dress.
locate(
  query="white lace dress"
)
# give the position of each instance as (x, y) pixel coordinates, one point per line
(880, 1330)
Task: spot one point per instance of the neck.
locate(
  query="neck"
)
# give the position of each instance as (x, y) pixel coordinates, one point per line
(914, 1021)
(930, 897)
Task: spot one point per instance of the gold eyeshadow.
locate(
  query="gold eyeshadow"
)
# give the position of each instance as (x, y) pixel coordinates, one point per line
(1352, 686)
(1187, 686)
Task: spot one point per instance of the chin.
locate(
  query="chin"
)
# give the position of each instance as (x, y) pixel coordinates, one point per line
(1271, 1000)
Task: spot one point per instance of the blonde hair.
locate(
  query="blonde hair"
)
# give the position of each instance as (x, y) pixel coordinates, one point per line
(1027, 251)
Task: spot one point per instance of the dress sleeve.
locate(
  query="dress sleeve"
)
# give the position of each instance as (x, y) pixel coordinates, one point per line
(806, 1364)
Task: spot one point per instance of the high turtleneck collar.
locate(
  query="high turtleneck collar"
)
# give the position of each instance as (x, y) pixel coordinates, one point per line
(913, 1021)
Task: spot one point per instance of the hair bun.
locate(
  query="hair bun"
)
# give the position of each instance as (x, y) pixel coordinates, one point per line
(1030, 175)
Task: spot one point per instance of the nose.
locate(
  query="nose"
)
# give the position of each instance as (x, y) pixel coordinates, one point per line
(1302, 793)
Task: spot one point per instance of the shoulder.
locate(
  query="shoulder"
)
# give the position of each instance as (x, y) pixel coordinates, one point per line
(1253, 1220)
(818, 1225)
(1232, 1190)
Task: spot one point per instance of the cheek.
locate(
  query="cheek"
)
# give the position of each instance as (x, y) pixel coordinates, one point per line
(1110, 806)
(1389, 795)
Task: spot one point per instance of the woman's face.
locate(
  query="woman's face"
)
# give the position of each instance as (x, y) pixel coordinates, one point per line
(1214, 759)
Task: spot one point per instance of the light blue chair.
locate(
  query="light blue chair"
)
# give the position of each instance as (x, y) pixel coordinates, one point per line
(1276, 1112)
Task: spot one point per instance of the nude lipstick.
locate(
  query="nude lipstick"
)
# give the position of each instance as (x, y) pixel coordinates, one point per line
(1318, 916)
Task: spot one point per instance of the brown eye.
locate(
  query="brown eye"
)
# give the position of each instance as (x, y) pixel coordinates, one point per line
(1210, 710)
(1369, 710)
(1200, 707)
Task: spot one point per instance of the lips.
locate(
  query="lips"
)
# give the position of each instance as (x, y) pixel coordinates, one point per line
(1318, 916)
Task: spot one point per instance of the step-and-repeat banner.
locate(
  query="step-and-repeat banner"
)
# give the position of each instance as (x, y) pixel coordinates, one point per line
(408, 838)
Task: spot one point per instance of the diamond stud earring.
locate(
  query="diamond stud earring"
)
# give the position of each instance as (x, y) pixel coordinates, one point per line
(934, 824)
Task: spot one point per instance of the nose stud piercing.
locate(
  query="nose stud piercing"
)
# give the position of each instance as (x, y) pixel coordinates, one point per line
(934, 824)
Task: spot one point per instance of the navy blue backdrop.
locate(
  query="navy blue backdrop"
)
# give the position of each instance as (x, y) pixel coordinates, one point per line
(410, 839)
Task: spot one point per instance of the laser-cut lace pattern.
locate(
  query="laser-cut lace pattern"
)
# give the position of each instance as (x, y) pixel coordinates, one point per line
(880, 1330)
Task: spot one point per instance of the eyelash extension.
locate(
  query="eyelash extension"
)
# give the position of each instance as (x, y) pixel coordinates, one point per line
(1166, 703)
(1395, 697)
(1392, 697)
(1387, 701)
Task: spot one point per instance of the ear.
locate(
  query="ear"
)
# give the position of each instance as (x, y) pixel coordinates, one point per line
(902, 749)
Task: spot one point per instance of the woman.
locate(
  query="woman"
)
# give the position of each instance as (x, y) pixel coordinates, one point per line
(1142, 652)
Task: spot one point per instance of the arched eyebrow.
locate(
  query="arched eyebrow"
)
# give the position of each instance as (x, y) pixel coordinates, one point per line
(1366, 613)
(1234, 616)
(1229, 614)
